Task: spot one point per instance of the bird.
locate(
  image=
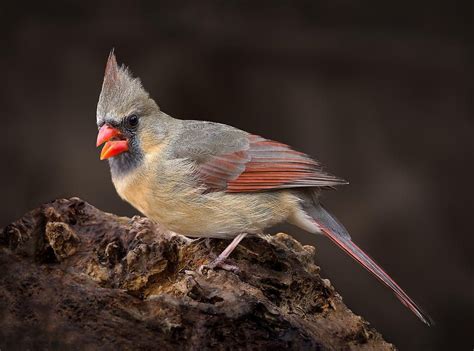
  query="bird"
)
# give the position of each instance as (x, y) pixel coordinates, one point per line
(210, 180)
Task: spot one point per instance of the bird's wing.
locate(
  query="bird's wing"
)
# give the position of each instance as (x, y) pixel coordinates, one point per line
(231, 160)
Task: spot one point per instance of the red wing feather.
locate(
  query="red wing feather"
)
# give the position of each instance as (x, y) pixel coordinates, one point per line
(264, 165)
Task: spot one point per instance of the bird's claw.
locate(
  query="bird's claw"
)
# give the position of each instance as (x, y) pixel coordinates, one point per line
(203, 269)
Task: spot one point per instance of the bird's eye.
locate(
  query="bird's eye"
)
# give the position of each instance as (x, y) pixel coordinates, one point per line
(132, 121)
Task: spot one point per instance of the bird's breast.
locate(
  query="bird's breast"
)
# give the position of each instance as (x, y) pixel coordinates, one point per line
(171, 197)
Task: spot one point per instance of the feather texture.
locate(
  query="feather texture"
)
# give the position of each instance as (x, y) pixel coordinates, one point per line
(335, 231)
(262, 164)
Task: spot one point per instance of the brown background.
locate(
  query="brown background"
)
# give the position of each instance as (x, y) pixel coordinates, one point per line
(381, 94)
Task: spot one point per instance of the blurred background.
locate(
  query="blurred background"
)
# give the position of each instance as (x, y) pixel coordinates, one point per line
(380, 93)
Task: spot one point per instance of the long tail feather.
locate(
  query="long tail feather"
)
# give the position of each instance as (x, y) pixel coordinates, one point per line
(337, 233)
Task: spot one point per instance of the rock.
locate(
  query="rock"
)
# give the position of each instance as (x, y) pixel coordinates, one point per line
(73, 277)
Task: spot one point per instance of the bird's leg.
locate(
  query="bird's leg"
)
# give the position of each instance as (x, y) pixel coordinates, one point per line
(198, 241)
(228, 250)
(207, 242)
(219, 261)
(202, 240)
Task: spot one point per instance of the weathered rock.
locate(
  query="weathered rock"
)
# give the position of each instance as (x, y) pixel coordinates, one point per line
(73, 277)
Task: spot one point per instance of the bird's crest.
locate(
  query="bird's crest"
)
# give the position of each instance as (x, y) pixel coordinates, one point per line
(120, 90)
(111, 70)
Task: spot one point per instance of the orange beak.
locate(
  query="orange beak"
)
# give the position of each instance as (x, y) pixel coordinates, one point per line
(114, 141)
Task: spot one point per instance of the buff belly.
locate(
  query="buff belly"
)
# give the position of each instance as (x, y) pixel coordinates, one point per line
(176, 203)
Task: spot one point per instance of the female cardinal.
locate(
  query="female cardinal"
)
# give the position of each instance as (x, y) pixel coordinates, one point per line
(204, 179)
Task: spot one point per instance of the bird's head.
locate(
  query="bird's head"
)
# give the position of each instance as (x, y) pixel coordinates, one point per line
(129, 121)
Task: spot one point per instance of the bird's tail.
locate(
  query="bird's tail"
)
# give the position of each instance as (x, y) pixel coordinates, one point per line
(335, 231)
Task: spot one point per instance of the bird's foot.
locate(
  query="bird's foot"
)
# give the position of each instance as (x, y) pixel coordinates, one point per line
(217, 263)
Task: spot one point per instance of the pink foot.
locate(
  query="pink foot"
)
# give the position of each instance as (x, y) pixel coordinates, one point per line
(218, 264)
